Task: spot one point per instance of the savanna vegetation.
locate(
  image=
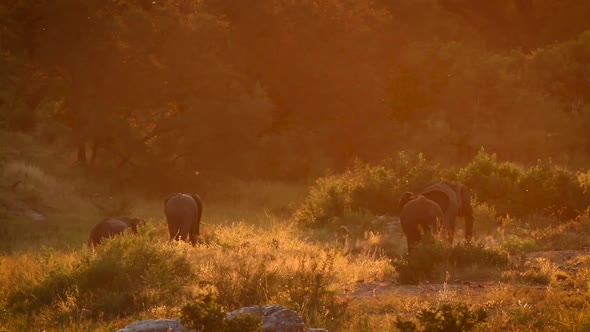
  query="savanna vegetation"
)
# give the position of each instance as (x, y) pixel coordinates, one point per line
(292, 119)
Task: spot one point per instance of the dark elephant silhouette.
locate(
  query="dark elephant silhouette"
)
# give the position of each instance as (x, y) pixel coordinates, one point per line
(419, 212)
(455, 201)
(110, 227)
(183, 214)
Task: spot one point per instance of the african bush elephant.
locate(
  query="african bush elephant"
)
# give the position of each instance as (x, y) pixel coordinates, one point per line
(110, 227)
(183, 213)
(455, 200)
(418, 212)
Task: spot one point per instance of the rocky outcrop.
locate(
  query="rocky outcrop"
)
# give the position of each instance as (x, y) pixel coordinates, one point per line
(156, 325)
(275, 318)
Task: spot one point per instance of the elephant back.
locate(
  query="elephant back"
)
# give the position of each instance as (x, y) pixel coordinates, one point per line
(180, 207)
(443, 193)
(109, 227)
(422, 207)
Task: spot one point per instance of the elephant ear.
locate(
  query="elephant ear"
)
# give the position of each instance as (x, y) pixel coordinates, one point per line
(406, 197)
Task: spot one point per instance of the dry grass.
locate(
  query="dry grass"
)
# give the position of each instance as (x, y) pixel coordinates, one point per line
(254, 253)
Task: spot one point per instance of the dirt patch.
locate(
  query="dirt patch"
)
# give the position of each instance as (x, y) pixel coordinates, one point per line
(563, 258)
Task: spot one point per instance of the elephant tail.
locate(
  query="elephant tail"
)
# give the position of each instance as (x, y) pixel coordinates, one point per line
(199, 207)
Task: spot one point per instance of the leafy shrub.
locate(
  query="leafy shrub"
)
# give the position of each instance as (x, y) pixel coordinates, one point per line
(205, 314)
(247, 283)
(544, 187)
(429, 261)
(133, 272)
(447, 317)
(552, 189)
(486, 218)
(310, 290)
(125, 275)
(492, 182)
(514, 244)
(364, 188)
(465, 255)
(425, 263)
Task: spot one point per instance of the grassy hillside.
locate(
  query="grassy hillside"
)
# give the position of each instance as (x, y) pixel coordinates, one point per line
(257, 250)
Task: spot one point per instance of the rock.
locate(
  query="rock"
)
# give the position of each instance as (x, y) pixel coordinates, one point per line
(156, 325)
(275, 318)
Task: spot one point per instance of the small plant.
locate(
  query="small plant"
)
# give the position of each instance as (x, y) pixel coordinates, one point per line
(425, 263)
(205, 314)
(446, 318)
(429, 261)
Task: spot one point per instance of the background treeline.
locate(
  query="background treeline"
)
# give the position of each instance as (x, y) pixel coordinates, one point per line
(284, 89)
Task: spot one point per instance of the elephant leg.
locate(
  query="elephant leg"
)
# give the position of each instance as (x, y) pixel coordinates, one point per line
(449, 224)
(410, 229)
(173, 231)
(184, 231)
(194, 233)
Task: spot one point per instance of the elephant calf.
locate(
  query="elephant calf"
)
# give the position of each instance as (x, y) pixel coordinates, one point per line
(110, 227)
(418, 212)
(183, 214)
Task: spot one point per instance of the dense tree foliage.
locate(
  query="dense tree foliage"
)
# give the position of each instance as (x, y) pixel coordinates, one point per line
(288, 89)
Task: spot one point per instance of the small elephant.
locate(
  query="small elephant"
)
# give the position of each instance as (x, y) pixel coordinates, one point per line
(110, 227)
(455, 200)
(418, 212)
(183, 214)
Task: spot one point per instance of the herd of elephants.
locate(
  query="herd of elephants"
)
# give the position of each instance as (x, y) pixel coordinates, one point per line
(432, 210)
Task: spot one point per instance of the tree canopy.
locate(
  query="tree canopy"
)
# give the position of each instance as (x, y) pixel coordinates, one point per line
(288, 89)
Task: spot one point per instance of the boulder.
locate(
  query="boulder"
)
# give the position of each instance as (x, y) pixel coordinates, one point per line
(275, 318)
(156, 325)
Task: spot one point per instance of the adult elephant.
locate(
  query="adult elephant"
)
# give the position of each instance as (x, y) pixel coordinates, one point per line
(455, 201)
(110, 227)
(418, 212)
(183, 213)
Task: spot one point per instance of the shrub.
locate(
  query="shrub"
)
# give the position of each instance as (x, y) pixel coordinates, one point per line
(517, 245)
(447, 317)
(205, 314)
(544, 187)
(132, 272)
(364, 188)
(430, 261)
(486, 218)
(552, 189)
(311, 293)
(128, 274)
(425, 263)
(492, 182)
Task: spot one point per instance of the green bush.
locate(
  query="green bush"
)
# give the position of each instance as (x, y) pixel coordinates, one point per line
(205, 314)
(552, 189)
(447, 317)
(310, 290)
(134, 272)
(128, 274)
(544, 187)
(431, 261)
(426, 263)
(511, 189)
(492, 182)
(364, 189)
